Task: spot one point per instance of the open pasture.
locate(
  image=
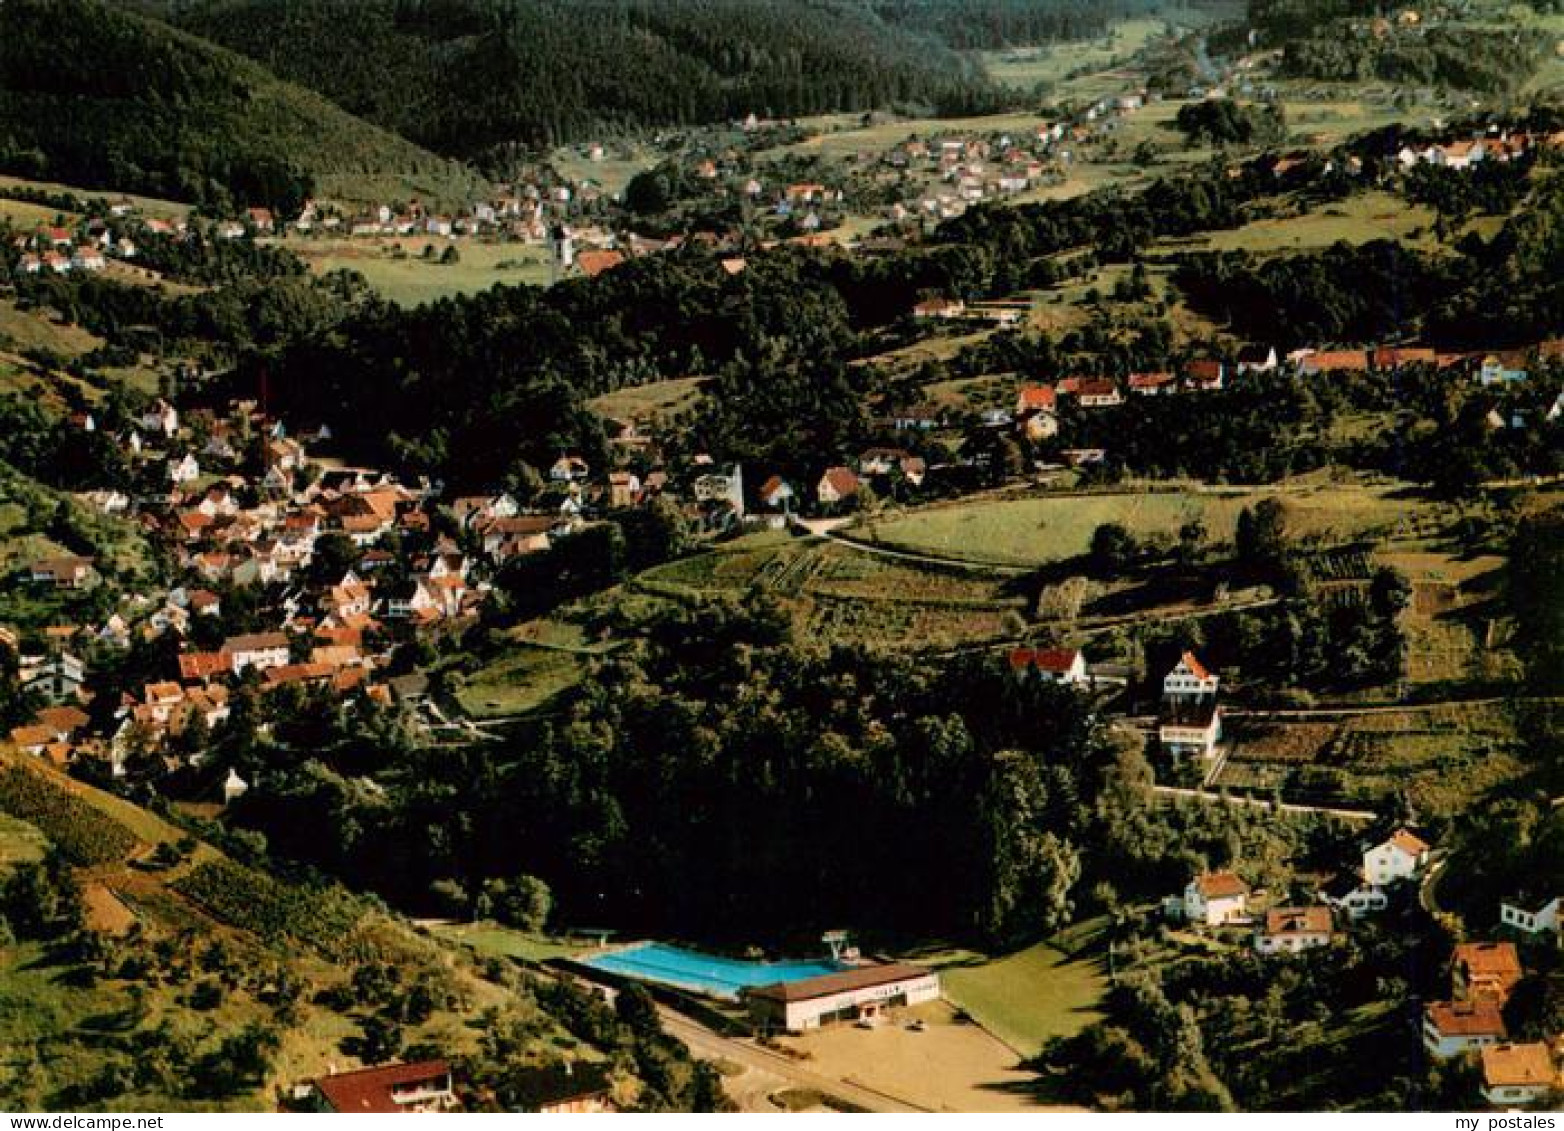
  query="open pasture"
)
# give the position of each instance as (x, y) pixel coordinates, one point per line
(1040, 529)
(395, 266)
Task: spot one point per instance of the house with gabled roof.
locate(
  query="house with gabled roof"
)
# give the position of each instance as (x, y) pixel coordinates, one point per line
(1205, 374)
(1152, 384)
(837, 485)
(1212, 899)
(1518, 1074)
(1056, 665)
(1400, 856)
(1451, 1028)
(1485, 971)
(1291, 930)
(421, 1086)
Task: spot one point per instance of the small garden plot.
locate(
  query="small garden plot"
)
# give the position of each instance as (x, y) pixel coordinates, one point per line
(1283, 743)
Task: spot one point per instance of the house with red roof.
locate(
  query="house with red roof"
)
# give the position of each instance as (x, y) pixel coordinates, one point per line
(388, 1089)
(837, 485)
(1451, 1028)
(1036, 398)
(1152, 384)
(1212, 898)
(1400, 856)
(1205, 375)
(1098, 392)
(1056, 665)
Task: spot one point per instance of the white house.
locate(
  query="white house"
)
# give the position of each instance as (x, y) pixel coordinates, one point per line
(1451, 1028)
(1289, 930)
(1190, 727)
(1190, 722)
(1189, 679)
(234, 787)
(162, 417)
(259, 650)
(1355, 897)
(57, 679)
(569, 469)
(184, 470)
(1214, 898)
(1532, 916)
(1515, 1074)
(1400, 857)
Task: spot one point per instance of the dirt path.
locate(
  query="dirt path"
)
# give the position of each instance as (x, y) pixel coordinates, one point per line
(1287, 807)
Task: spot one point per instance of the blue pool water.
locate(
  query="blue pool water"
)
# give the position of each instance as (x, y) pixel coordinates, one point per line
(704, 973)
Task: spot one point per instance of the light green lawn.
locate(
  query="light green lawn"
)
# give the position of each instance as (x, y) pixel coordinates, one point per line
(35, 329)
(1359, 219)
(489, 938)
(1028, 998)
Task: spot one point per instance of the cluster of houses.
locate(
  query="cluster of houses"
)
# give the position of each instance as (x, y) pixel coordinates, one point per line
(1483, 973)
(1495, 144)
(61, 251)
(950, 173)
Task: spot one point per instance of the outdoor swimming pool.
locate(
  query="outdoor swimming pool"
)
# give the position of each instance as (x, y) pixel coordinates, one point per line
(704, 973)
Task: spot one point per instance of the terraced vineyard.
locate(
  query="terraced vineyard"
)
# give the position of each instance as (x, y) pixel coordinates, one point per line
(85, 835)
(252, 901)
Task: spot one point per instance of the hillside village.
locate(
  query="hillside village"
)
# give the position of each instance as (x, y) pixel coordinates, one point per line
(1056, 608)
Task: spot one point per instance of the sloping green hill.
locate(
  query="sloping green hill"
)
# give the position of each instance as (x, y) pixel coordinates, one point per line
(467, 77)
(97, 96)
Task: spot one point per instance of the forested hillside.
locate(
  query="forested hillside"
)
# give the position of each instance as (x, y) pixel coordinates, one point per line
(466, 76)
(986, 25)
(1340, 41)
(97, 96)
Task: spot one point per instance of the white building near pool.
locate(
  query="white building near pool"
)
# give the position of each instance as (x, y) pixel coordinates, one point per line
(848, 995)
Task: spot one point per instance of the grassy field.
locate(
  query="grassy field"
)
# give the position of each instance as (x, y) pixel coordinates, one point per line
(1358, 219)
(149, 206)
(491, 939)
(1052, 64)
(843, 135)
(616, 169)
(1042, 529)
(646, 403)
(394, 265)
(23, 215)
(1027, 998)
(946, 1065)
(35, 329)
(523, 679)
